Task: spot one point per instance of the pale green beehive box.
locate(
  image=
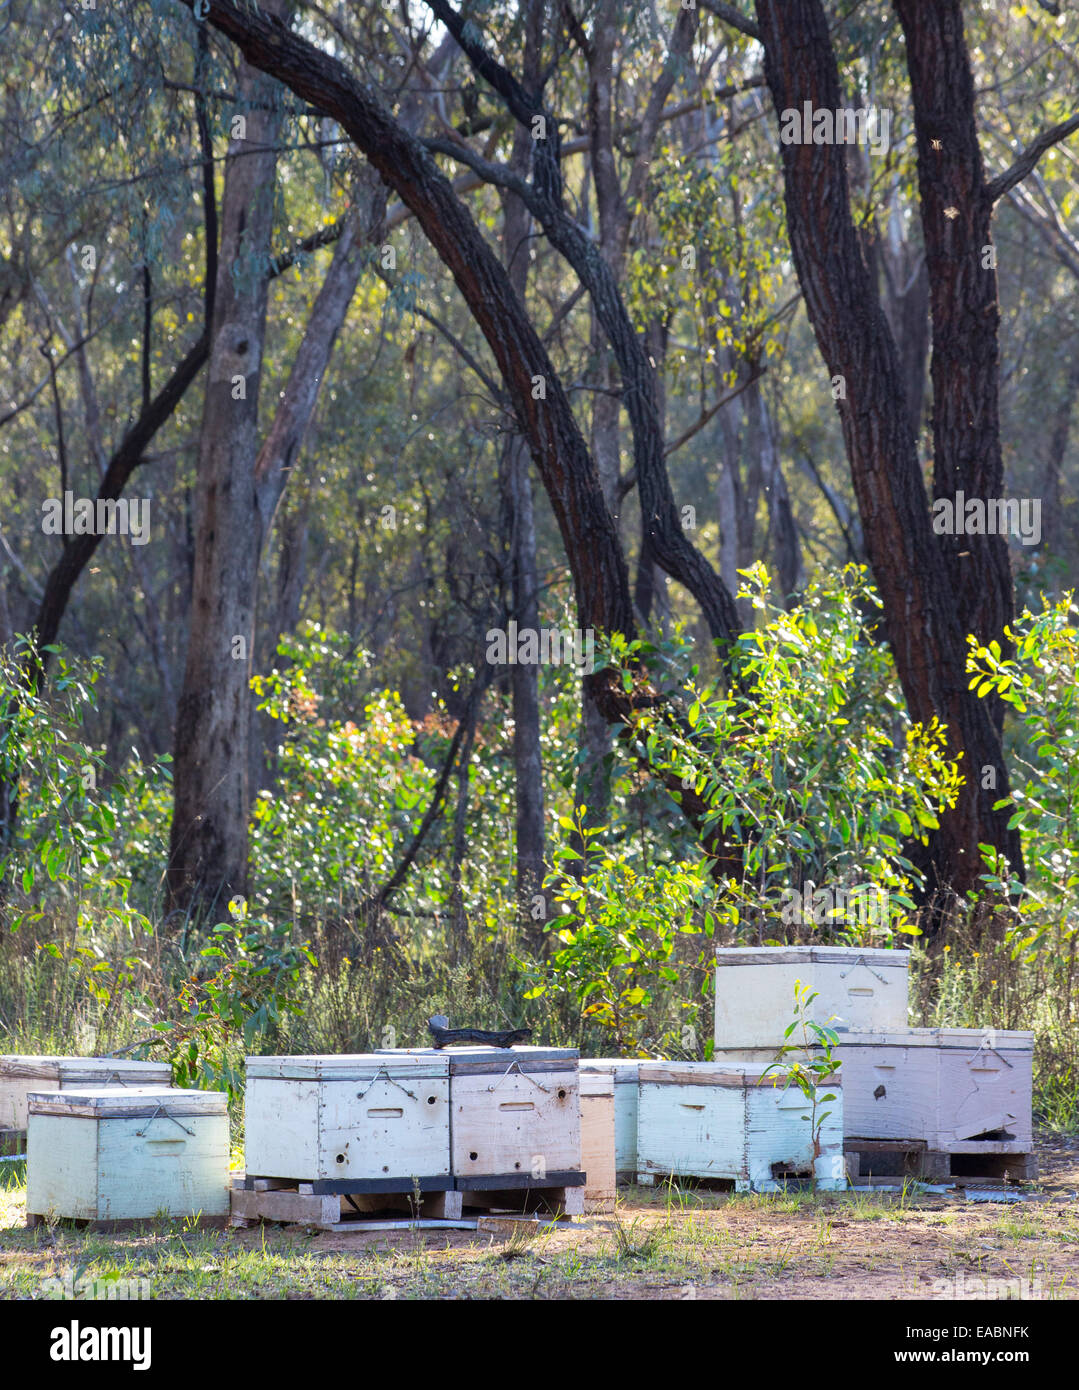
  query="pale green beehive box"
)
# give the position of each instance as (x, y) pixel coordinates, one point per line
(732, 1121)
(127, 1154)
(19, 1075)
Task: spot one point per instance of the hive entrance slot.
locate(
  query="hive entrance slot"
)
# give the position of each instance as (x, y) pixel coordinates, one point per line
(791, 1171)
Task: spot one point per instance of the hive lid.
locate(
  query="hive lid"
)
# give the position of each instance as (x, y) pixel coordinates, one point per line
(730, 1075)
(878, 958)
(597, 1083)
(477, 1061)
(91, 1070)
(623, 1069)
(345, 1066)
(963, 1039)
(128, 1103)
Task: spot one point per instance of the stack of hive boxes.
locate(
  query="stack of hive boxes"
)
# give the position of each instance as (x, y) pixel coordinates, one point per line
(939, 1102)
(110, 1140)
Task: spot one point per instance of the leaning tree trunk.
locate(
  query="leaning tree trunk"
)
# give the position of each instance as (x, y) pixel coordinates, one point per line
(597, 565)
(596, 561)
(911, 570)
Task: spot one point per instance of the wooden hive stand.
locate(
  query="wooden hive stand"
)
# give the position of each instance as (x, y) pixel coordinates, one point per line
(310, 1204)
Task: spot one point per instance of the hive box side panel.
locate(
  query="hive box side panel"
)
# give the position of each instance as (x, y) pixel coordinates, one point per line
(626, 1107)
(889, 1091)
(692, 1130)
(381, 1129)
(147, 1167)
(13, 1093)
(779, 1131)
(755, 1002)
(597, 1149)
(508, 1124)
(61, 1167)
(984, 1091)
(862, 997)
(281, 1128)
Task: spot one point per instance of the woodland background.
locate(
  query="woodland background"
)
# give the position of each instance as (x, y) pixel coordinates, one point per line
(426, 320)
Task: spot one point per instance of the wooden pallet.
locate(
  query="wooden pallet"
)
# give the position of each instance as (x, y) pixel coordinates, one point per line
(965, 1164)
(559, 1193)
(12, 1142)
(302, 1203)
(310, 1204)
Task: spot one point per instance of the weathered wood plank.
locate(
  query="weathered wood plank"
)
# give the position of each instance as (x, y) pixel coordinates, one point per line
(598, 1141)
(297, 1209)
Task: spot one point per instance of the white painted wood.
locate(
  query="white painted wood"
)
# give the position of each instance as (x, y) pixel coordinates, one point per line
(623, 1072)
(858, 989)
(127, 1154)
(943, 1085)
(514, 1111)
(348, 1118)
(700, 1119)
(597, 1140)
(20, 1074)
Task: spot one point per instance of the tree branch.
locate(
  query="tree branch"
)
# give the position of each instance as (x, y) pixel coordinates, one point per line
(712, 410)
(729, 15)
(996, 188)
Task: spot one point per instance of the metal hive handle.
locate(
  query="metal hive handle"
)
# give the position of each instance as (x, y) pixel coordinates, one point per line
(162, 1111)
(516, 1066)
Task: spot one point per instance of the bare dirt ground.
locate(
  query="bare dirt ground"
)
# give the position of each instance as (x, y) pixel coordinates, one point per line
(659, 1244)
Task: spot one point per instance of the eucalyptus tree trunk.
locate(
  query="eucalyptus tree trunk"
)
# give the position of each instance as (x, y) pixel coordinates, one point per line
(916, 578)
(957, 214)
(208, 844)
(530, 843)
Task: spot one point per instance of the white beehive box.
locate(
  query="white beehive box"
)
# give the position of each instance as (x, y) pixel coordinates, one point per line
(623, 1073)
(861, 990)
(959, 1089)
(597, 1139)
(19, 1075)
(514, 1115)
(362, 1122)
(127, 1154)
(726, 1120)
